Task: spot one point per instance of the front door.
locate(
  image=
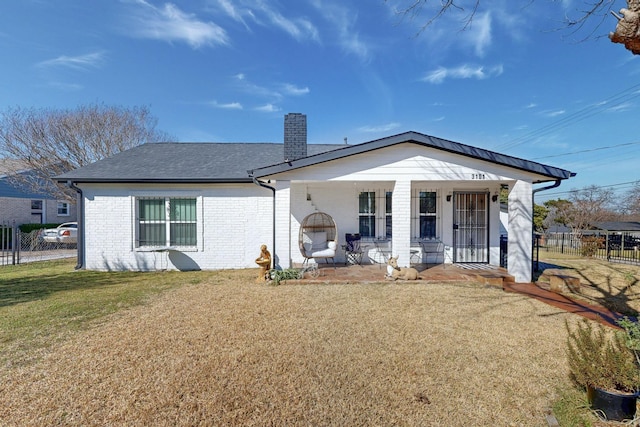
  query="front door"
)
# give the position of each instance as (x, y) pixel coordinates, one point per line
(471, 227)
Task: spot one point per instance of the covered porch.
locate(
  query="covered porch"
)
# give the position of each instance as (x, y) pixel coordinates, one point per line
(408, 189)
(418, 221)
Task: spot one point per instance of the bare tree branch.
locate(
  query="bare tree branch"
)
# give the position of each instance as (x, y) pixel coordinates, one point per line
(588, 206)
(589, 17)
(49, 142)
(414, 10)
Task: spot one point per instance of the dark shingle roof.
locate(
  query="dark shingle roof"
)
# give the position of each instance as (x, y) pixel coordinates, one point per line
(185, 162)
(238, 162)
(617, 225)
(13, 190)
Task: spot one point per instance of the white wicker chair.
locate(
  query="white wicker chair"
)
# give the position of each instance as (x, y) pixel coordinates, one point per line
(318, 237)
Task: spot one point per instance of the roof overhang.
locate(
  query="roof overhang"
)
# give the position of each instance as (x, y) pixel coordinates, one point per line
(540, 169)
(155, 181)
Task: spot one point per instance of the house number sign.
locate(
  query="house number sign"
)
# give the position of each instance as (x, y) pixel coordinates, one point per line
(478, 176)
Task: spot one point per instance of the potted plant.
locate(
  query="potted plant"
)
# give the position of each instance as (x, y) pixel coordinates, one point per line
(601, 361)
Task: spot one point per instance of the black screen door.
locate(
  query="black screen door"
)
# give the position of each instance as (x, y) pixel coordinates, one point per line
(471, 227)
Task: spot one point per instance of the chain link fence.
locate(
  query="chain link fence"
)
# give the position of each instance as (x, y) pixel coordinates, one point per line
(17, 247)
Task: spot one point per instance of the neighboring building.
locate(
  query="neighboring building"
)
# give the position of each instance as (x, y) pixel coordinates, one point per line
(27, 207)
(211, 205)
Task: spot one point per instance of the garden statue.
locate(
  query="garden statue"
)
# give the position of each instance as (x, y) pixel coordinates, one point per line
(394, 272)
(628, 28)
(264, 261)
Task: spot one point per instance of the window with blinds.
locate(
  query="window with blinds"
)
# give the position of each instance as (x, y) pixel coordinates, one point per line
(164, 221)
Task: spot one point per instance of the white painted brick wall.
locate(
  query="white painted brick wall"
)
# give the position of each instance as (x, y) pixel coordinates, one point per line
(283, 225)
(520, 231)
(401, 213)
(233, 222)
(237, 219)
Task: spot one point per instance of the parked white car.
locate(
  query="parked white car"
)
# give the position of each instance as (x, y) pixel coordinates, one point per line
(64, 233)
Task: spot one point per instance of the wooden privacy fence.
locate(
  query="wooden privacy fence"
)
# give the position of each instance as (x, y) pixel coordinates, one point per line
(618, 246)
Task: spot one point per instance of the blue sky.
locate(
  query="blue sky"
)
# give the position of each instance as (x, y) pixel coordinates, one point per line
(229, 70)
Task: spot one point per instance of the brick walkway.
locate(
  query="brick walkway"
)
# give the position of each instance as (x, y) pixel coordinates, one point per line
(590, 311)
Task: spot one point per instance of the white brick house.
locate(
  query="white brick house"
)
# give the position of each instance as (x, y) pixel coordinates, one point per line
(211, 206)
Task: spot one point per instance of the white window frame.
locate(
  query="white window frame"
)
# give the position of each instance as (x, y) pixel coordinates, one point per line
(62, 208)
(382, 216)
(168, 222)
(417, 215)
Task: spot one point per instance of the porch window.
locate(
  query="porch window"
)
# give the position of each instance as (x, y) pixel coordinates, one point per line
(367, 213)
(424, 222)
(166, 222)
(388, 218)
(374, 211)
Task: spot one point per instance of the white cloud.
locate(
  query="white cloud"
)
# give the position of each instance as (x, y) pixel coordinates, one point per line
(479, 33)
(380, 128)
(265, 13)
(290, 89)
(268, 108)
(257, 90)
(271, 94)
(625, 106)
(232, 11)
(464, 71)
(344, 21)
(555, 113)
(81, 62)
(299, 28)
(169, 23)
(227, 106)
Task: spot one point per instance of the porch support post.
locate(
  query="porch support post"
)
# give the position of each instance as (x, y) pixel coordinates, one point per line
(283, 225)
(520, 231)
(401, 213)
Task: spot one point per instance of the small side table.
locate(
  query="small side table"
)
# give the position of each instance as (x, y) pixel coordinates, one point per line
(353, 257)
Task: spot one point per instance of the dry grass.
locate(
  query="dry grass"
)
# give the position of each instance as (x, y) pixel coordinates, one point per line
(615, 286)
(231, 352)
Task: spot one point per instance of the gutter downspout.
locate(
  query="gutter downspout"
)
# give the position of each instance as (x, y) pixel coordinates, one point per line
(273, 190)
(556, 184)
(80, 214)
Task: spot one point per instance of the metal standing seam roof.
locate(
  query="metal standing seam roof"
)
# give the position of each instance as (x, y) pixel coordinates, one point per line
(552, 172)
(240, 162)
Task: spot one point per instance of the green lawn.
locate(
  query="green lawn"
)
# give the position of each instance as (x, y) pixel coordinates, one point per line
(424, 352)
(42, 302)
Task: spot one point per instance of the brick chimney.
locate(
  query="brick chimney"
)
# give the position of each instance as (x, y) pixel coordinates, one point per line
(295, 136)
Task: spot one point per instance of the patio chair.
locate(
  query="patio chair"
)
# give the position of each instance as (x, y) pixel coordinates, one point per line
(382, 252)
(352, 250)
(318, 237)
(434, 248)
